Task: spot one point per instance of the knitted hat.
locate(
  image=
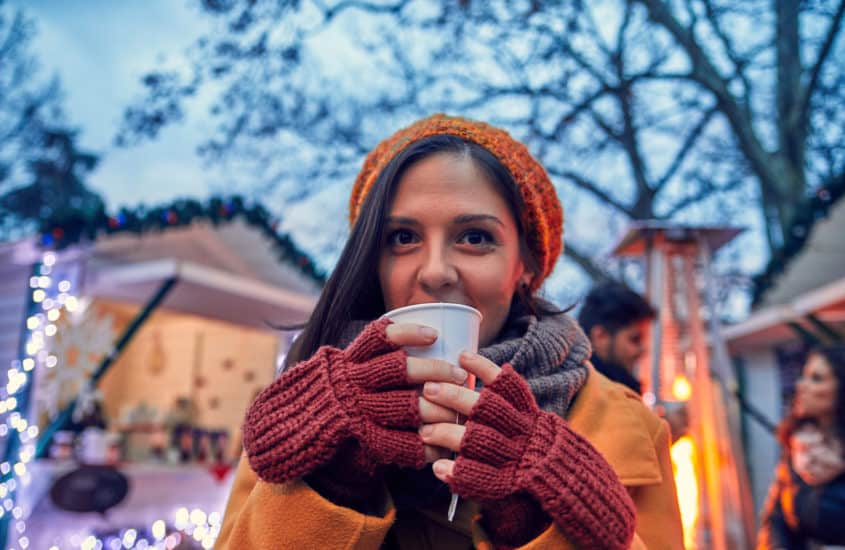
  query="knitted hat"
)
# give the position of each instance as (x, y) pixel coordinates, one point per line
(543, 217)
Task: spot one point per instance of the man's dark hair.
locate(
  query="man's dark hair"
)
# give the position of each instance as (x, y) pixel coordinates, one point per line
(613, 306)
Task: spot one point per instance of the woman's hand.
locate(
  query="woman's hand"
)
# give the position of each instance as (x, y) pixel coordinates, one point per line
(441, 401)
(363, 400)
(422, 371)
(510, 450)
(816, 459)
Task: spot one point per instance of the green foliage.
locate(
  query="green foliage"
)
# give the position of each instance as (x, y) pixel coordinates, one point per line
(56, 189)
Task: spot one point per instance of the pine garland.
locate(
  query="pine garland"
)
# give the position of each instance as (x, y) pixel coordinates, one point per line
(76, 227)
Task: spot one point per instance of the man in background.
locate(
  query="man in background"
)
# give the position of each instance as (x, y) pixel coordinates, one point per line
(616, 318)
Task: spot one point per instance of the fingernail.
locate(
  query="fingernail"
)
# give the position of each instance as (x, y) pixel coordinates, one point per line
(426, 430)
(459, 374)
(432, 388)
(439, 469)
(468, 354)
(428, 332)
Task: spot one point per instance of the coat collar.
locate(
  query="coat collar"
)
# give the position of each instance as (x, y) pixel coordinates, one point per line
(616, 422)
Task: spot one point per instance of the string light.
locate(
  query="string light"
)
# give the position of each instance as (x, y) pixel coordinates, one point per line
(204, 530)
(40, 328)
(196, 523)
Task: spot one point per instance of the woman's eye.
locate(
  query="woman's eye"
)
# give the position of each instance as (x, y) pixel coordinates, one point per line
(400, 237)
(476, 238)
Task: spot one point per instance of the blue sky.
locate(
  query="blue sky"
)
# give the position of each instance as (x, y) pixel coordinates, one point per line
(99, 50)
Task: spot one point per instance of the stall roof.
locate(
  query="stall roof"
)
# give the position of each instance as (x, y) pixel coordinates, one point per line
(769, 325)
(811, 289)
(233, 247)
(230, 270)
(820, 260)
(227, 271)
(204, 291)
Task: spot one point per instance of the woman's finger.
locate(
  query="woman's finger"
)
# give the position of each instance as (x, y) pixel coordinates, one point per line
(432, 413)
(443, 434)
(483, 368)
(433, 453)
(424, 370)
(451, 396)
(410, 334)
(444, 469)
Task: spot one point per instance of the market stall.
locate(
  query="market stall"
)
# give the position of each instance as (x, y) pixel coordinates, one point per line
(141, 348)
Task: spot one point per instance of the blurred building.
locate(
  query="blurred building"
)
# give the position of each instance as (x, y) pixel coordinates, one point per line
(799, 301)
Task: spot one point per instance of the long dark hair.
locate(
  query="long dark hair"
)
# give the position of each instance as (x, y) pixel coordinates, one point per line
(353, 291)
(834, 355)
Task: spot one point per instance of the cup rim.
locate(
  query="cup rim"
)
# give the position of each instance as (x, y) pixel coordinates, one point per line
(433, 305)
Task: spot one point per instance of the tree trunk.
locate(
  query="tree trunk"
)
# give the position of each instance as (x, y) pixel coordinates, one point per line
(792, 119)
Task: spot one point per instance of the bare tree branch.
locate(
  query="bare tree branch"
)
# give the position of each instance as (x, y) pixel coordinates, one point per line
(706, 189)
(685, 148)
(586, 263)
(628, 135)
(822, 57)
(705, 73)
(576, 110)
(739, 64)
(587, 185)
(372, 7)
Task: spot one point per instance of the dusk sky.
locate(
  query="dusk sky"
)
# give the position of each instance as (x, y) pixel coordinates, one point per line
(99, 50)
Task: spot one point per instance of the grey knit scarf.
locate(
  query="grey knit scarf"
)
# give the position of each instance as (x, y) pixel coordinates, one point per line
(549, 352)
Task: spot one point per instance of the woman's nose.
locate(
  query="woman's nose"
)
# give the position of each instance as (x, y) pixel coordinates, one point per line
(437, 271)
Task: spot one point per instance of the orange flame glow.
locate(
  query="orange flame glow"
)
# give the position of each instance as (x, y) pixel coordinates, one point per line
(686, 484)
(681, 388)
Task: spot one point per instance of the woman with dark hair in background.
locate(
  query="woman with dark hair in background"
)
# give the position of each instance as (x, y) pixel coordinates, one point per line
(806, 503)
(355, 445)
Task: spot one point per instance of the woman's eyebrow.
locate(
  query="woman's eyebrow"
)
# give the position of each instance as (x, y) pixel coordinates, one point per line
(474, 218)
(401, 220)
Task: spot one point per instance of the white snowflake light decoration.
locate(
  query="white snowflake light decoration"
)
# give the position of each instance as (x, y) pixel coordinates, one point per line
(79, 346)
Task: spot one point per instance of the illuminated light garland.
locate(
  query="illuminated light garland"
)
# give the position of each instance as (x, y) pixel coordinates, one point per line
(40, 328)
(196, 524)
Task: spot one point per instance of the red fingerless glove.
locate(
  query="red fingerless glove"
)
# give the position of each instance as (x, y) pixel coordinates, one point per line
(299, 422)
(513, 521)
(511, 446)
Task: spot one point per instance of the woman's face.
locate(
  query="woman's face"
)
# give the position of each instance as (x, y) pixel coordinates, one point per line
(451, 237)
(815, 393)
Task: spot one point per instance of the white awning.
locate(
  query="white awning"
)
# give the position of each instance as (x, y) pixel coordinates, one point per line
(202, 290)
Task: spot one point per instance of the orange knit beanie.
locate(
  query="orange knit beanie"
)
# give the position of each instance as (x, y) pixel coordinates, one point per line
(543, 218)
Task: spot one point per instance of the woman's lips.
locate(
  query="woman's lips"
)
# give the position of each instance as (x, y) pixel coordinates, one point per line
(461, 301)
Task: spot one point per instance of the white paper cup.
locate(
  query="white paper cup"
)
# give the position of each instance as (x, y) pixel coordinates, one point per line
(457, 326)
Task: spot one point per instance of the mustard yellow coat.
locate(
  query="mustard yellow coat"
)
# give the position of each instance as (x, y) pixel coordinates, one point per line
(261, 515)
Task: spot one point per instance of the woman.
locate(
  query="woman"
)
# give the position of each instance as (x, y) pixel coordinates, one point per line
(807, 499)
(552, 455)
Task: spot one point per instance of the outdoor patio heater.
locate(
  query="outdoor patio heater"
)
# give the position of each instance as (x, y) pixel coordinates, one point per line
(688, 377)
